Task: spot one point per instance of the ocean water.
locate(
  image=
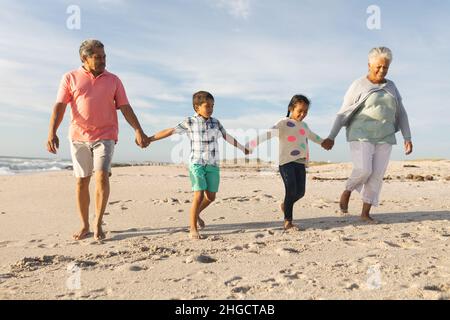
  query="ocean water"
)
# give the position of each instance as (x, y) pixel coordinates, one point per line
(17, 165)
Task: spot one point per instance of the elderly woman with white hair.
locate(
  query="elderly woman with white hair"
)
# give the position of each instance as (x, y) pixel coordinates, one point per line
(372, 113)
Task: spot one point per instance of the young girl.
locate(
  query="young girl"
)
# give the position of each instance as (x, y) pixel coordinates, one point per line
(293, 136)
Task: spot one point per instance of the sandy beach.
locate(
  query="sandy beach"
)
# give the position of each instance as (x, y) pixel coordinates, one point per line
(246, 254)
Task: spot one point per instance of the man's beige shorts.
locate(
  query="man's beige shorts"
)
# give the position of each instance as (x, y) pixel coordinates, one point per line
(91, 156)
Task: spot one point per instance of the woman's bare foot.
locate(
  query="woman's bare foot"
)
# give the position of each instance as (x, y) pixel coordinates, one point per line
(201, 224)
(98, 233)
(194, 235)
(368, 219)
(343, 203)
(289, 226)
(82, 234)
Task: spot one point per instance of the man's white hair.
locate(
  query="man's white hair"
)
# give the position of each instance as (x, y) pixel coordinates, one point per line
(383, 52)
(87, 47)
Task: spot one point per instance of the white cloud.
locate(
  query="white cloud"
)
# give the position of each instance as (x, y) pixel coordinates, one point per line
(239, 9)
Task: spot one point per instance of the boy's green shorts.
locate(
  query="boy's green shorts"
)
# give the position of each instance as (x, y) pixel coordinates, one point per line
(204, 177)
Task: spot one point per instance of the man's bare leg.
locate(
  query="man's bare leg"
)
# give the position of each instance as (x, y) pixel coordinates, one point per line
(101, 199)
(208, 198)
(196, 203)
(83, 200)
(343, 203)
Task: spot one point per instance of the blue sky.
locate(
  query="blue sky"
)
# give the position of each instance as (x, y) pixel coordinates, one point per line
(252, 55)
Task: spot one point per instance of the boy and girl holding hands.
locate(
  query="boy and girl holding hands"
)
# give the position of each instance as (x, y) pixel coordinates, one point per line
(204, 131)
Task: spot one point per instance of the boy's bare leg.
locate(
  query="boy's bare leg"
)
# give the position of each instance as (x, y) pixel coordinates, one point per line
(83, 199)
(101, 199)
(365, 216)
(343, 203)
(196, 203)
(208, 198)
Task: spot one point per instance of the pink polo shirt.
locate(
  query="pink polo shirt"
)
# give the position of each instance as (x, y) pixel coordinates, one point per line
(94, 103)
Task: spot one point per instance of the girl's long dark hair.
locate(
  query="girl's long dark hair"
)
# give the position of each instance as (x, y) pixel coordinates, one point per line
(298, 98)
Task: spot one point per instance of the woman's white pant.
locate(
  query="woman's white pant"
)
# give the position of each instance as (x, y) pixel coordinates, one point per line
(370, 162)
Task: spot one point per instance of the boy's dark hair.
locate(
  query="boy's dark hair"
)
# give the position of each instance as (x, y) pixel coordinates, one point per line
(200, 97)
(298, 98)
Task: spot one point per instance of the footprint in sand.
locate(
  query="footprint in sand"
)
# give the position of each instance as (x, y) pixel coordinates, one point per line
(200, 259)
(389, 244)
(241, 290)
(288, 274)
(136, 268)
(232, 282)
(4, 244)
(218, 219)
(272, 282)
(236, 247)
(286, 252)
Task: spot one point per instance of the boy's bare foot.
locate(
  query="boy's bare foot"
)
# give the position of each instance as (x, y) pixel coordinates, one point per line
(368, 219)
(82, 234)
(289, 226)
(98, 233)
(201, 223)
(194, 235)
(343, 203)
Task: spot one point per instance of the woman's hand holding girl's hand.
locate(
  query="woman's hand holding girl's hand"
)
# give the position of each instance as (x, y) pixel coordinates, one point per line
(327, 144)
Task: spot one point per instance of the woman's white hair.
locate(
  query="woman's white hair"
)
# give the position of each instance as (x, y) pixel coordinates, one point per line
(383, 52)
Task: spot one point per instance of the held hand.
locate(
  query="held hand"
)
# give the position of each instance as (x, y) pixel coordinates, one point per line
(408, 147)
(327, 144)
(147, 142)
(52, 143)
(141, 139)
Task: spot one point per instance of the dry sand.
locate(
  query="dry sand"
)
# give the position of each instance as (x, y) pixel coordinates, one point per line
(246, 254)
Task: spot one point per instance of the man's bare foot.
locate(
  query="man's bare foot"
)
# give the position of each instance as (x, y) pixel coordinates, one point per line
(99, 234)
(194, 235)
(343, 203)
(201, 224)
(368, 219)
(82, 234)
(289, 226)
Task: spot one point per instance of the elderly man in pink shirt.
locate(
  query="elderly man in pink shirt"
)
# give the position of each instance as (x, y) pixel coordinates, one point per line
(94, 95)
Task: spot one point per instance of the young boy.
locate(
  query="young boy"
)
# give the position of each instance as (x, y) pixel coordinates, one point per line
(203, 132)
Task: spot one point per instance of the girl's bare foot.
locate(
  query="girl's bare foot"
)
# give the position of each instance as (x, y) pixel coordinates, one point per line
(289, 226)
(343, 203)
(194, 235)
(201, 223)
(82, 234)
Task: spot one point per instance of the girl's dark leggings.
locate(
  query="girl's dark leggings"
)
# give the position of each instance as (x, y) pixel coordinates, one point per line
(294, 178)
